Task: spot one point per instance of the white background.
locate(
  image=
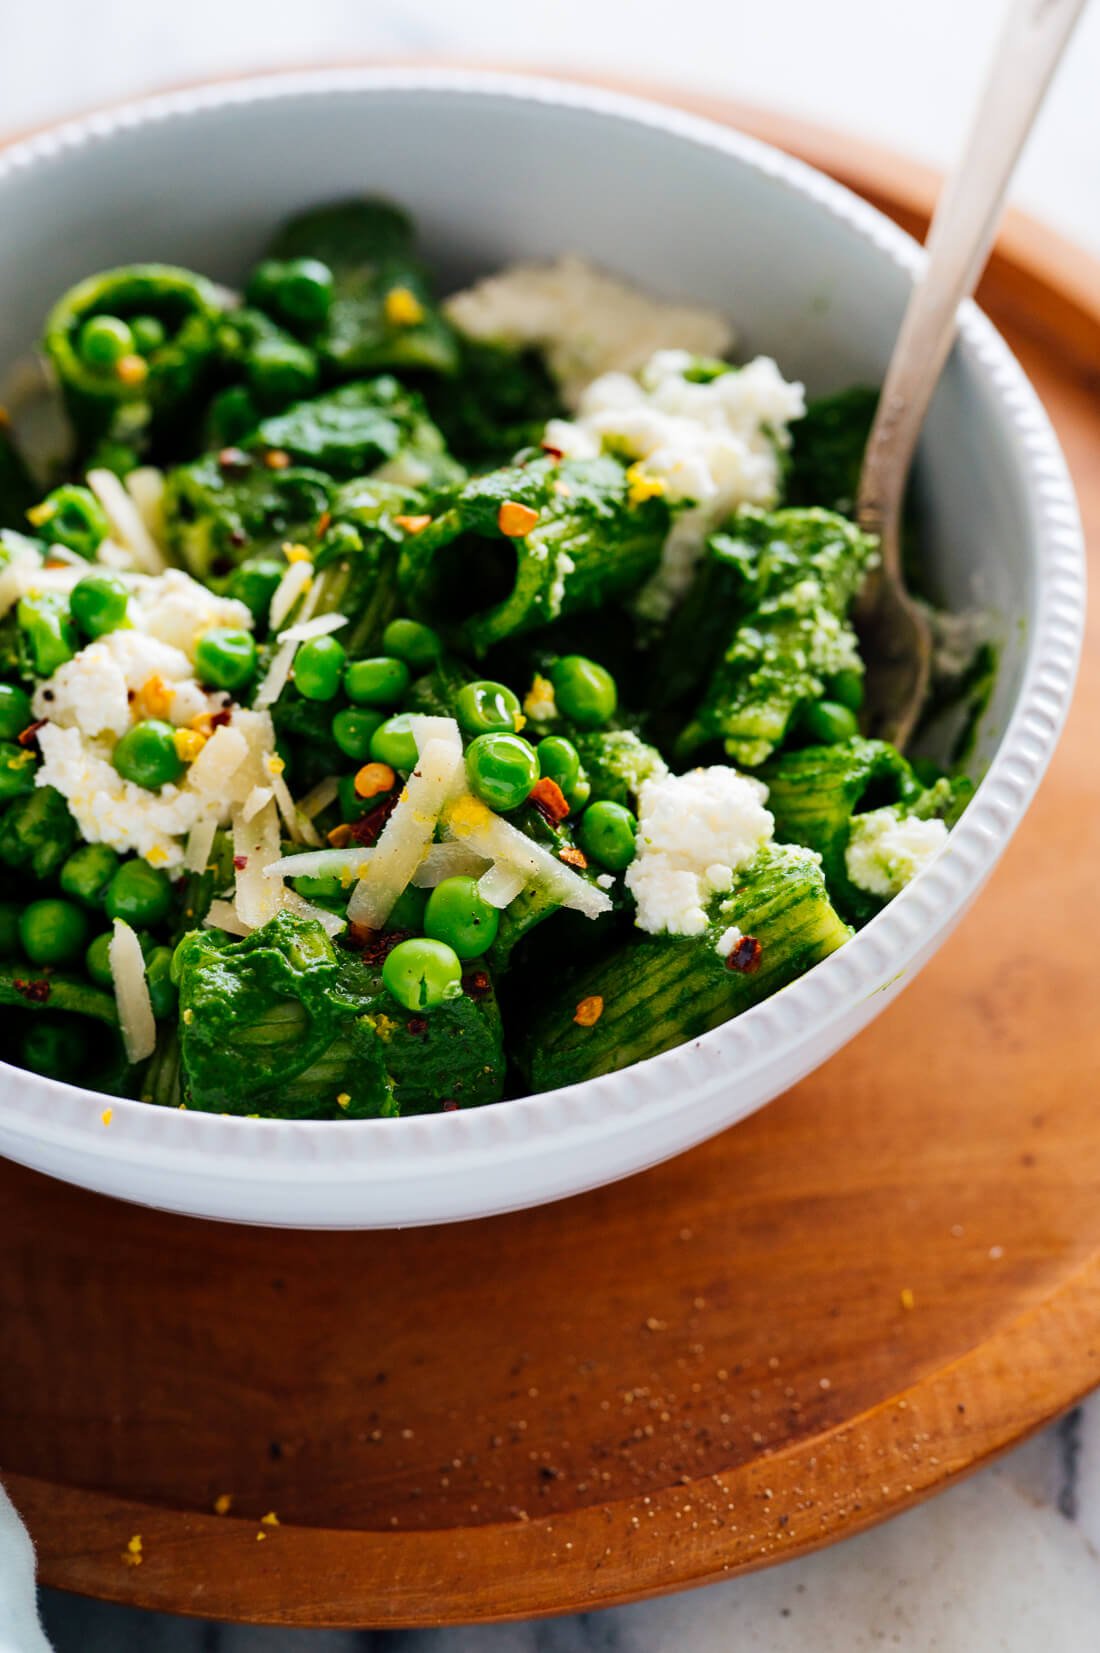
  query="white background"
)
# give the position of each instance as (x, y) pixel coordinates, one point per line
(902, 71)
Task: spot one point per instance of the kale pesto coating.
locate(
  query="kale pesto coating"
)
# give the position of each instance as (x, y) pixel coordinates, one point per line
(799, 570)
(155, 404)
(224, 507)
(815, 793)
(656, 991)
(471, 573)
(281, 1024)
(370, 248)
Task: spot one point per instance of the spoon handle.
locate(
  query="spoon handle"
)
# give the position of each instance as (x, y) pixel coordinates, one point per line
(961, 236)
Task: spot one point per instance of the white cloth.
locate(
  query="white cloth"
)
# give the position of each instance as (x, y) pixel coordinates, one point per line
(20, 1630)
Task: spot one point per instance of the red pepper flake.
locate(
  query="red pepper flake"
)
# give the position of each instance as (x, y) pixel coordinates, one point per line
(233, 459)
(417, 1026)
(549, 799)
(35, 992)
(277, 459)
(554, 453)
(475, 984)
(240, 862)
(368, 828)
(745, 956)
(29, 736)
(573, 858)
(589, 1011)
(450, 1106)
(324, 523)
(218, 720)
(412, 525)
(375, 946)
(237, 537)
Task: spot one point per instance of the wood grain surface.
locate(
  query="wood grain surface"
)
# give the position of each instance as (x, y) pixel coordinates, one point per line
(808, 1324)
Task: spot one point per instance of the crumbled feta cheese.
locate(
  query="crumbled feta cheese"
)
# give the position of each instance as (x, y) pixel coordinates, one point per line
(885, 851)
(110, 810)
(135, 673)
(177, 610)
(727, 941)
(92, 691)
(694, 832)
(711, 447)
(585, 321)
(539, 703)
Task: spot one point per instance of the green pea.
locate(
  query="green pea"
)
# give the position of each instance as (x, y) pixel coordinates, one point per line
(281, 370)
(149, 333)
(381, 681)
(225, 657)
(15, 711)
(158, 979)
(561, 762)
(580, 794)
(422, 974)
(47, 631)
(407, 912)
(87, 873)
(485, 708)
(51, 1047)
(139, 893)
(846, 688)
(254, 584)
(393, 743)
(318, 667)
(353, 730)
(296, 289)
(9, 929)
(584, 690)
(419, 646)
(97, 960)
(324, 888)
(829, 723)
(501, 770)
(17, 767)
(457, 914)
(607, 832)
(103, 341)
(53, 931)
(146, 755)
(72, 516)
(99, 603)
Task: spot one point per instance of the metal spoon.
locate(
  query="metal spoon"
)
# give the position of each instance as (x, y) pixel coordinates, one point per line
(896, 640)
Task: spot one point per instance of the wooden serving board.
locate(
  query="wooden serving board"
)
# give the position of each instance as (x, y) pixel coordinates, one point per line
(815, 1320)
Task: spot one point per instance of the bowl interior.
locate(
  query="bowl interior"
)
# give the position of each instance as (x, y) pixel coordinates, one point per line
(492, 179)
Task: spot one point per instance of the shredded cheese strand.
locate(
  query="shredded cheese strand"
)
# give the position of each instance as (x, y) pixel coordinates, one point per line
(125, 519)
(135, 1009)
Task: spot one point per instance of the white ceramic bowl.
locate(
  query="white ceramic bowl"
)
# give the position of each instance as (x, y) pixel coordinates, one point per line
(497, 169)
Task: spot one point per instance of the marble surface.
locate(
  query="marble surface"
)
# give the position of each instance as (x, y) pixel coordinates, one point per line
(1010, 1561)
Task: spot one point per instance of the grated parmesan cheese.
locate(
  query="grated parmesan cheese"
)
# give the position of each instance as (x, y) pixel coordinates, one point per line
(135, 1010)
(255, 846)
(447, 861)
(127, 526)
(222, 915)
(440, 770)
(500, 885)
(294, 584)
(471, 823)
(200, 843)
